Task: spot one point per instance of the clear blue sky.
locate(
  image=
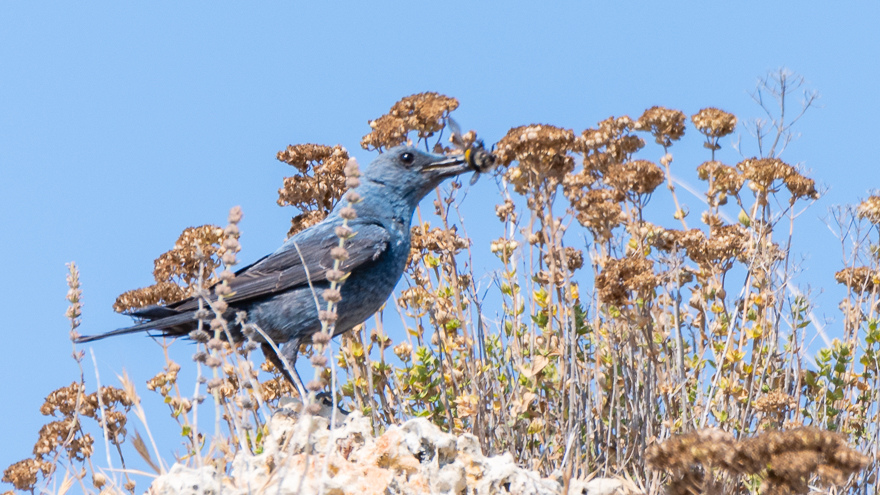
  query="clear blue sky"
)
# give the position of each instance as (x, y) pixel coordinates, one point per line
(122, 123)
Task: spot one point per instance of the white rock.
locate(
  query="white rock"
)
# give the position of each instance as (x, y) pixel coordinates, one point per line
(303, 456)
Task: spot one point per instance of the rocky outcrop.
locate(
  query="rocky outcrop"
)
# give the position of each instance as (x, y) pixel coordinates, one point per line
(305, 457)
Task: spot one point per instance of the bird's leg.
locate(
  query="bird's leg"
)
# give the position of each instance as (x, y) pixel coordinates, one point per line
(290, 352)
(273, 357)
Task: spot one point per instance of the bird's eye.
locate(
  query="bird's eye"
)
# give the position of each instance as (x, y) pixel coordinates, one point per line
(407, 158)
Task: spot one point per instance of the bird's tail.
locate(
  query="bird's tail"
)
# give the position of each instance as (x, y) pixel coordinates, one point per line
(167, 322)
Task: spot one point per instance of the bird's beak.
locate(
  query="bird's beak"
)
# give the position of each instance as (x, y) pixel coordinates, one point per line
(453, 165)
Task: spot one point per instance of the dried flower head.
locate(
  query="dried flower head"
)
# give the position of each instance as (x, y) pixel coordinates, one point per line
(664, 124)
(424, 113)
(714, 123)
(723, 179)
(619, 277)
(317, 187)
(791, 457)
(159, 293)
(195, 245)
(177, 271)
(785, 459)
(506, 211)
(860, 279)
(610, 142)
(636, 176)
(599, 211)
(869, 209)
(709, 447)
(444, 244)
(573, 259)
(542, 153)
(762, 172)
(776, 401)
(23, 474)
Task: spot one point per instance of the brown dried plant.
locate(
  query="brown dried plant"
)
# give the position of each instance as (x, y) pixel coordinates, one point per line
(317, 187)
(785, 462)
(196, 254)
(424, 113)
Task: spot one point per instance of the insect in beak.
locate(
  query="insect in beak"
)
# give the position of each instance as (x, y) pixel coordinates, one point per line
(477, 157)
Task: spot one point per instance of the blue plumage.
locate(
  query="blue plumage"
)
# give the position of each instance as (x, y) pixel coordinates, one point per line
(275, 290)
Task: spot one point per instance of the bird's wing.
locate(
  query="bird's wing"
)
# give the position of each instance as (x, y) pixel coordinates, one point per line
(292, 267)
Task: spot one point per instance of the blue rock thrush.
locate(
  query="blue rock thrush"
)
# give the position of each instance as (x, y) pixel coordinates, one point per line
(275, 291)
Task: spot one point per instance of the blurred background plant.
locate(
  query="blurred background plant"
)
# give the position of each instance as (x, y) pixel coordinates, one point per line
(604, 329)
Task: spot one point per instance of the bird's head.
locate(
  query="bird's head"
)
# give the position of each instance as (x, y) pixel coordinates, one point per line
(408, 174)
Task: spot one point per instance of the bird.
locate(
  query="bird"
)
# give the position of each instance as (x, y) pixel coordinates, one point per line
(279, 292)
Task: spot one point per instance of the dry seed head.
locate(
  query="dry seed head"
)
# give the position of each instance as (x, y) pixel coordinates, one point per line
(610, 143)
(599, 211)
(314, 157)
(709, 447)
(348, 213)
(790, 457)
(775, 401)
(317, 187)
(503, 248)
(23, 474)
(403, 351)
(722, 178)
(328, 316)
(714, 123)
(869, 209)
(574, 258)
(575, 185)
(160, 293)
(353, 197)
(636, 176)
(321, 338)
(352, 169)
(424, 113)
(231, 244)
(620, 276)
(860, 279)
(235, 214)
(664, 124)
(221, 306)
(762, 172)
(217, 324)
(335, 275)
(194, 246)
(222, 289)
(98, 480)
(506, 212)
(339, 253)
(62, 400)
(542, 152)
